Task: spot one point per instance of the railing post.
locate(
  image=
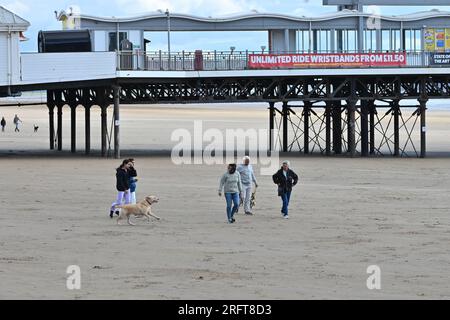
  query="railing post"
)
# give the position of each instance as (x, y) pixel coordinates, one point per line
(182, 61)
(160, 61)
(169, 63)
(215, 59)
(246, 59)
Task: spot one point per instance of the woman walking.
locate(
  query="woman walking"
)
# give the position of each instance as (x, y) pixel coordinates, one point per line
(285, 178)
(133, 180)
(231, 185)
(17, 123)
(3, 124)
(122, 186)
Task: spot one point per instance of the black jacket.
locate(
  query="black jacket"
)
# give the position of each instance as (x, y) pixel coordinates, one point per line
(3, 123)
(285, 184)
(122, 180)
(132, 172)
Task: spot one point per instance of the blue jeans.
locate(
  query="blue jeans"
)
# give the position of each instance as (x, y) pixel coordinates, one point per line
(232, 198)
(132, 185)
(285, 197)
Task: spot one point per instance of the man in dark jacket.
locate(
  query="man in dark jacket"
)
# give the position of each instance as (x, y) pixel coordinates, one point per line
(285, 178)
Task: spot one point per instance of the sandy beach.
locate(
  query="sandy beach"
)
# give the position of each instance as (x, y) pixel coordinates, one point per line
(346, 214)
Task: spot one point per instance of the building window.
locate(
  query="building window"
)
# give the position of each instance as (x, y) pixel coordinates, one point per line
(413, 40)
(349, 41)
(370, 40)
(113, 39)
(303, 41)
(324, 41)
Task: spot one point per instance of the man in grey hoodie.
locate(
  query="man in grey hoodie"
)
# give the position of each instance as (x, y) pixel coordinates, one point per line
(247, 178)
(231, 184)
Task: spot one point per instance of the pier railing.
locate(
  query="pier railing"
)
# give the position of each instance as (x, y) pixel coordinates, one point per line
(239, 60)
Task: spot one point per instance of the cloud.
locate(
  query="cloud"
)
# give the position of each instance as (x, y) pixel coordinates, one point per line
(196, 7)
(311, 8)
(18, 7)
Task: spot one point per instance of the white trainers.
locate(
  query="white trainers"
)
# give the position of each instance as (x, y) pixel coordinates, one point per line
(286, 217)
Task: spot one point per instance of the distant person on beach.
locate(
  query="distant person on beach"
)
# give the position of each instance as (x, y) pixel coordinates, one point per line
(17, 122)
(133, 180)
(285, 178)
(3, 124)
(247, 178)
(231, 185)
(122, 186)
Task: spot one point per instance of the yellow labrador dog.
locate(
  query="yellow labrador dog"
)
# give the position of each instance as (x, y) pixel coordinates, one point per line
(141, 209)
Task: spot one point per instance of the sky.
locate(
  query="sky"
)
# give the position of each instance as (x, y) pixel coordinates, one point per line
(42, 17)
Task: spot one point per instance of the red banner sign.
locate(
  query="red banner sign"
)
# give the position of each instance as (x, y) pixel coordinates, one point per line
(269, 61)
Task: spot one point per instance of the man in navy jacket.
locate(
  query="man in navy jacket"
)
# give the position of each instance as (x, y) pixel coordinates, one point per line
(285, 178)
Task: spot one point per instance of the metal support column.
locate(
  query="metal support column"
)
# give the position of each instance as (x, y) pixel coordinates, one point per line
(396, 114)
(372, 112)
(51, 118)
(271, 124)
(103, 104)
(364, 129)
(104, 127)
(285, 126)
(337, 127)
(423, 127)
(87, 128)
(60, 115)
(351, 105)
(328, 114)
(306, 114)
(73, 128)
(73, 120)
(116, 94)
